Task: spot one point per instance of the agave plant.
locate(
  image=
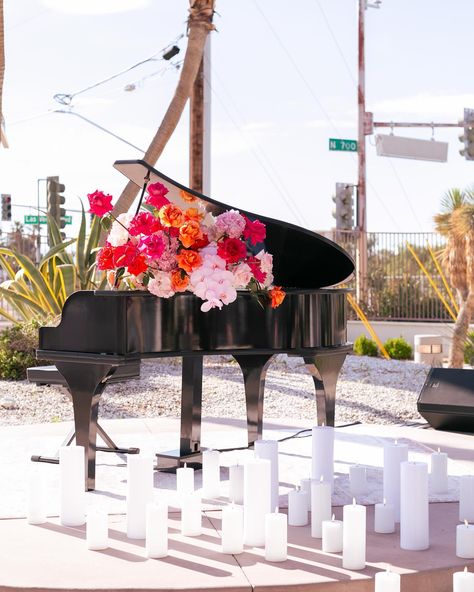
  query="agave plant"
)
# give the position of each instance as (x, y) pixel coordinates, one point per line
(39, 291)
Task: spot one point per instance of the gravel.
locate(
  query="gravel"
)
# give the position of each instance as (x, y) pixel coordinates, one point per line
(369, 390)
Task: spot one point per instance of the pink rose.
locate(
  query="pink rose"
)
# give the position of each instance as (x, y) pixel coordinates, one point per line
(100, 203)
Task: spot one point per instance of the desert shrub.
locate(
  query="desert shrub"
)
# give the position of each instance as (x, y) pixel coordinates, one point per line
(469, 349)
(17, 349)
(363, 346)
(398, 349)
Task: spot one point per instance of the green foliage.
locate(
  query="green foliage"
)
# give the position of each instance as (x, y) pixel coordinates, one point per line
(398, 349)
(39, 291)
(363, 346)
(17, 349)
(469, 349)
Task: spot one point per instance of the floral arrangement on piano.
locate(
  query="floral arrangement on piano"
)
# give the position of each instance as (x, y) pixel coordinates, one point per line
(167, 249)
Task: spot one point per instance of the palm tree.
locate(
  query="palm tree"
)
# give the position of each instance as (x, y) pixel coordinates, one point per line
(456, 223)
(201, 13)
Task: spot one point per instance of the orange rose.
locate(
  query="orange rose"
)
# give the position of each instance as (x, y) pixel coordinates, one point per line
(189, 233)
(187, 196)
(179, 280)
(171, 215)
(189, 260)
(193, 214)
(277, 295)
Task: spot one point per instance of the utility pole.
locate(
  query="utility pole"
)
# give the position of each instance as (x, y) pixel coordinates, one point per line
(200, 127)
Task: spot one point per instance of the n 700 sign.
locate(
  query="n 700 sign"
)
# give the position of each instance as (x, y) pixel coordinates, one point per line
(342, 145)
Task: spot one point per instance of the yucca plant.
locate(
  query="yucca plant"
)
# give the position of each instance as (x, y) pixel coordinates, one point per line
(39, 291)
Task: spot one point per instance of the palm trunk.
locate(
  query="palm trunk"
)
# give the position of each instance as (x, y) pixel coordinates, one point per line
(199, 25)
(461, 329)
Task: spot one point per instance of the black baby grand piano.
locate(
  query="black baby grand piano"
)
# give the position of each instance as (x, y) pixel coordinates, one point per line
(103, 330)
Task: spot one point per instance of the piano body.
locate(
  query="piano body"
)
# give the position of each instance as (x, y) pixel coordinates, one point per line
(103, 330)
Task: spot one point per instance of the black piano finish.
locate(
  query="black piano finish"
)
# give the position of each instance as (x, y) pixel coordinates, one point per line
(104, 330)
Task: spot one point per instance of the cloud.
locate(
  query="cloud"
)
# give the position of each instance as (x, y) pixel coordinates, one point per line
(423, 106)
(88, 7)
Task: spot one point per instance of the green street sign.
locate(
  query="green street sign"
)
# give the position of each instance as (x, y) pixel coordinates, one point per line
(68, 219)
(30, 219)
(342, 145)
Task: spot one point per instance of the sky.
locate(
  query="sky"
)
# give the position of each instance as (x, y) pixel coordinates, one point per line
(283, 80)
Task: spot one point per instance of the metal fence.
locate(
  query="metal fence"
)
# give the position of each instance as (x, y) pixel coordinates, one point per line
(397, 289)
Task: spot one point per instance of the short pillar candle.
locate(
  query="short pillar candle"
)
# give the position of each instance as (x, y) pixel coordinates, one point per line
(232, 530)
(466, 498)
(354, 536)
(297, 507)
(211, 482)
(414, 508)
(465, 540)
(463, 581)
(305, 485)
(320, 506)
(276, 537)
(72, 485)
(393, 456)
(357, 480)
(384, 519)
(156, 544)
(332, 535)
(97, 529)
(322, 457)
(185, 479)
(439, 472)
(387, 581)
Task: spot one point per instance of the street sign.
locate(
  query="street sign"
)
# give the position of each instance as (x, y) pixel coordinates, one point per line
(68, 219)
(413, 148)
(32, 219)
(342, 145)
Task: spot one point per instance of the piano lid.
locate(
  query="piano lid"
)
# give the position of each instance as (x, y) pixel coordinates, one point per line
(301, 258)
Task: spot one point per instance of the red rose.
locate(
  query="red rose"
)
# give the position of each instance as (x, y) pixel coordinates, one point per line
(144, 223)
(156, 195)
(105, 257)
(254, 231)
(100, 203)
(257, 272)
(231, 250)
(125, 255)
(138, 265)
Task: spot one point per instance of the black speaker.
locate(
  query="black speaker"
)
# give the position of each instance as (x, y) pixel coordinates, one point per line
(446, 400)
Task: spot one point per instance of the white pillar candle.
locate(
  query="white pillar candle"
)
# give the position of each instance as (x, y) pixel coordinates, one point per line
(322, 457)
(276, 537)
(156, 544)
(139, 493)
(466, 498)
(305, 485)
(232, 530)
(332, 536)
(297, 508)
(439, 472)
(463, 581)
(354, 537)
(36, 498)
(269, 449)
(236, 484)
(394, 455)
(97, 529)
(184, 479)
(72, 485)
(257, 500)
(414, 509)
(384, 520)
(358, 480)
(387, 581)
(320, 506)
(211, 480)
(191, 519)
(465, 540)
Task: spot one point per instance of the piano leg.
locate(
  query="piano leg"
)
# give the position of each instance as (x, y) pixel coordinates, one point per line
(325, 368)
(254, 370)
(86, 383)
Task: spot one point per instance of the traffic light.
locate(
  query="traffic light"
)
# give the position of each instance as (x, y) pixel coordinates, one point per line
(467, 137)
(6, 207)
(55, 200)
(344, 200)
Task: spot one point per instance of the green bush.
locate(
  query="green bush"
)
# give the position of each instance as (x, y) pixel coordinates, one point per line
(363, 346)
(17, 349)
(398, 349)
(469, 349)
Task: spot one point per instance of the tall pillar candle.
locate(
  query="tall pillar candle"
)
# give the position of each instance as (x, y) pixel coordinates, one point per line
(463, 581)
(269, 449)
(276, 537)
(320, 506)
(354, 537)
(332, 536)
(232, 529)
(297, 508)
(466, 498)
(185, 479)
(156, 530)
(191, 518)
(465, 541)
(414, 508)
(394, 455)
(36, 498)
(322, 457)
(236, 484)
(139, 493)
(387, 581)
(357, 480)
(257, 500)
(97, 529)
(305, 485)
(72, 485)
(211, 480)
(439, 472)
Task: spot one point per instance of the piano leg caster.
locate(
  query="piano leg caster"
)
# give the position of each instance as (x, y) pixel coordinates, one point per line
(171, 460)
